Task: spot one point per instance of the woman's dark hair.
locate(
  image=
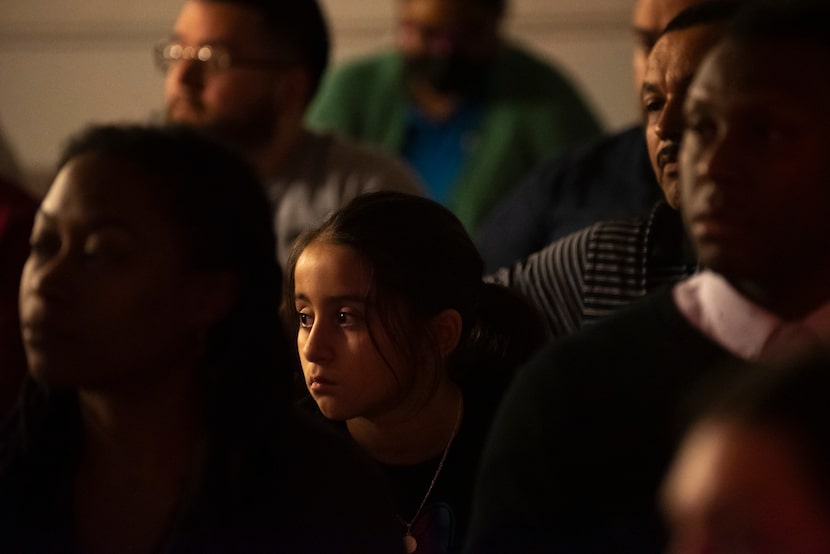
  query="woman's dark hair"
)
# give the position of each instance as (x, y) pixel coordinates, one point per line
(788, 400)
(422, 262)
(217, 201)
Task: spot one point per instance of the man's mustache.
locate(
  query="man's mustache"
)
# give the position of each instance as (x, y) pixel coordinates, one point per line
(667, 154)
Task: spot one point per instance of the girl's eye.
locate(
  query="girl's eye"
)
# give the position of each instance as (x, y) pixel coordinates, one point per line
(305, 320)
(346, 318)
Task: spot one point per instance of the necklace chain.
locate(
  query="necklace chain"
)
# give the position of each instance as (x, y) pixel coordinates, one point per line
(437, 471)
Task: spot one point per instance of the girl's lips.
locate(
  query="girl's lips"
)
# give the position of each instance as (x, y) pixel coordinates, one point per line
(319, 384)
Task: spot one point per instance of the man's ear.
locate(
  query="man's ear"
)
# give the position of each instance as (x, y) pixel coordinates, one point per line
(294, 87)
(213, 296)
(446, 327)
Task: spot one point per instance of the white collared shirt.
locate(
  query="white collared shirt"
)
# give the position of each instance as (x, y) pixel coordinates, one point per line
(720, 312)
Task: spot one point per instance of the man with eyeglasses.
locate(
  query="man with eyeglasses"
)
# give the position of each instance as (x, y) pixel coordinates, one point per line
(246, 70)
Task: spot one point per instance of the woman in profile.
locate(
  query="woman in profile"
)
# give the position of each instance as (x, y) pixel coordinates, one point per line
(406, 350)
(157, 412)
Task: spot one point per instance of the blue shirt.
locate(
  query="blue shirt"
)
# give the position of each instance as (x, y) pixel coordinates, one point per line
(437, 150)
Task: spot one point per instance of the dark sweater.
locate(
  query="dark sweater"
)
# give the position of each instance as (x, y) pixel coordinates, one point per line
(301, 489)
(607, 178)
(582, 440)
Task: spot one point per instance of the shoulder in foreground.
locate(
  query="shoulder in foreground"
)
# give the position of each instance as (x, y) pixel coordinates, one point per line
(642, 322)
(605, 152)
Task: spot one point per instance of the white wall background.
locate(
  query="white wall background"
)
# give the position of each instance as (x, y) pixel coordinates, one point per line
(65, 64)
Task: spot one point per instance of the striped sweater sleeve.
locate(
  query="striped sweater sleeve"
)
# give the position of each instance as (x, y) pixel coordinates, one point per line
(553, 280)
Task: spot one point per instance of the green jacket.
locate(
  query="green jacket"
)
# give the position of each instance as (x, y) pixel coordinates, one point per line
(531, 112)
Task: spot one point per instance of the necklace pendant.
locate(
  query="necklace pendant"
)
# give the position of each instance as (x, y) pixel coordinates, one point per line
(410, 544)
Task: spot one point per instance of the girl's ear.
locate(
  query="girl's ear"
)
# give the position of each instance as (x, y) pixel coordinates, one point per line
(293, 88)
(446, 328)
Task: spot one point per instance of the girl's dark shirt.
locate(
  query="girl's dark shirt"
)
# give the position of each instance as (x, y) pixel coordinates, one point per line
(442, 524)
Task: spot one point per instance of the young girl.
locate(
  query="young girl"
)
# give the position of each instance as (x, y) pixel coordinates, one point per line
(402, 342)
(156, 417)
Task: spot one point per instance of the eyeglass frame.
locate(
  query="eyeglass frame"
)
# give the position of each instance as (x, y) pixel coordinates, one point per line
(217, 58)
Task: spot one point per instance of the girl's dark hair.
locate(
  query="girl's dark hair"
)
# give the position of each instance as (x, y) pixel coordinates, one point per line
(218, 203)
(422, 262)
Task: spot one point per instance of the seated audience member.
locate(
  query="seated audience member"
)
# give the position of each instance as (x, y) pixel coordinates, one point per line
(610, 177)
(17, 209)
(752, 476)
(470, 111)
(583, 437)
(247, 69)
(589, 274)
(157, 413)
(407, 351)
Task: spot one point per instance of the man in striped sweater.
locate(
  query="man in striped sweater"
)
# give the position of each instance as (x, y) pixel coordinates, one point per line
(590, 273)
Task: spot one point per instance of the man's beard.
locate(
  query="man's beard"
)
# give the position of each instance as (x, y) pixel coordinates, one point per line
(248, 130)
(450, 74)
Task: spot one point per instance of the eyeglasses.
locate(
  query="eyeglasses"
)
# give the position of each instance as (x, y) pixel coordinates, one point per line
(215, 57)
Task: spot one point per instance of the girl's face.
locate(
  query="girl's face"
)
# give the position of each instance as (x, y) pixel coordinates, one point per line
(344, 369)
(106, 299)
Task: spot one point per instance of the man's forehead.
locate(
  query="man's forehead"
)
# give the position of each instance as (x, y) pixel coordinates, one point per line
(651, 16)
(712, 77)
(761, 79)
(765, 66)
(681, 52)
(216, 21)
